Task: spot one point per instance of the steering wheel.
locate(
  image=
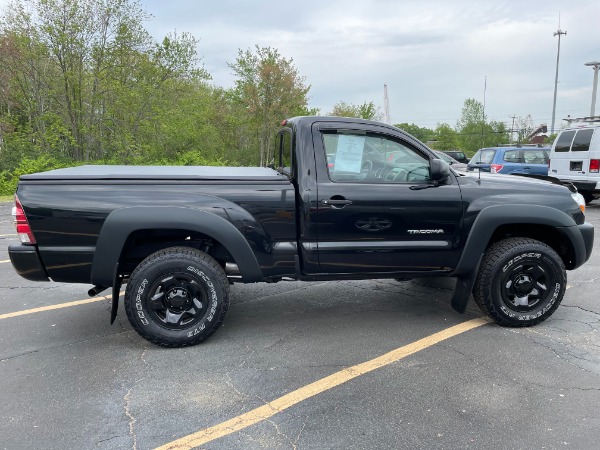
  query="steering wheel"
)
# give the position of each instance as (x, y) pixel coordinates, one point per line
(366, 169)
(396, 174)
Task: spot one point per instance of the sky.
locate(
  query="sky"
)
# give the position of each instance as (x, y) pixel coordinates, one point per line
(431, 54)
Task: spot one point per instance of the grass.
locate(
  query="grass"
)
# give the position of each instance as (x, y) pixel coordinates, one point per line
(6, 198)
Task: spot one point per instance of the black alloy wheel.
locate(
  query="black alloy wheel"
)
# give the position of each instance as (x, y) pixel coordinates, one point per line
(177, 301)
(525, 285)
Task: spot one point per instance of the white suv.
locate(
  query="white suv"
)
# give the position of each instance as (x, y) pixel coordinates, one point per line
(575, 157)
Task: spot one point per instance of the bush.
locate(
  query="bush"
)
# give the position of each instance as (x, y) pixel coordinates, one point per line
(10, 178)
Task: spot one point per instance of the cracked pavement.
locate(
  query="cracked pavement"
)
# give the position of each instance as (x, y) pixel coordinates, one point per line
(69, 380)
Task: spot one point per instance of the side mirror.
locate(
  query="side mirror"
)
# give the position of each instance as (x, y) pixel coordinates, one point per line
(440, 170)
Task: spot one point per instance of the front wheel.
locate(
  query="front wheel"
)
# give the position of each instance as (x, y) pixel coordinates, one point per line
(177, 297)
(588, 197)
(520, 282)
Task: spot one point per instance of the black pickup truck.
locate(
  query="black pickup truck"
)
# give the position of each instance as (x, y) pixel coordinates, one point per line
(346, 199)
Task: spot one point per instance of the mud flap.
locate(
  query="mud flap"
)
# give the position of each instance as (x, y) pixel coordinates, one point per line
(115, 299)
(460, 296)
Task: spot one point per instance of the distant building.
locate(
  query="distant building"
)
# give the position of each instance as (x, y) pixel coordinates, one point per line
(538, 135)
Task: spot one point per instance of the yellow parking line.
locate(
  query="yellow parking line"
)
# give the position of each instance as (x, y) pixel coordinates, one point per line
(52, 307)
(282, 403)
(6, 235)
(5, 261)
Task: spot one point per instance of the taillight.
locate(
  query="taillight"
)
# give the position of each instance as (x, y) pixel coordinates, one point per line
(496, 168)
(23, 228)
(594, 165)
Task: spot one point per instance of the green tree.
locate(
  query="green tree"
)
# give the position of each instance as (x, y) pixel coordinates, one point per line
(68, 43)
(421, 133)
(475, 132)
(269, 88)
(549, 140)
(446, 138)
(83, 80)
(366, 110)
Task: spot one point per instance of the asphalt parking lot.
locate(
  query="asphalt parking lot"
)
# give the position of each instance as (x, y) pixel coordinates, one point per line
(69, 380)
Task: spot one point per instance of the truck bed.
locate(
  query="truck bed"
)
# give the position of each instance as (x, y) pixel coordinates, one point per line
(196, 173)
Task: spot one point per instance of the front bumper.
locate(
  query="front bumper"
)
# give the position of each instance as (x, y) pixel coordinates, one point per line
(587, 233)
(585, 186)
(27, 263)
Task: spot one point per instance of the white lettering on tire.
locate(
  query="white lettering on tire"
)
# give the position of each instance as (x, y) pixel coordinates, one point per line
(138, 302)
(213, 297)
(520, 257)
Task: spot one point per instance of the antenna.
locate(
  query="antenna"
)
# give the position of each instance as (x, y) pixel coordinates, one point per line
(386, 103)
(482, 125)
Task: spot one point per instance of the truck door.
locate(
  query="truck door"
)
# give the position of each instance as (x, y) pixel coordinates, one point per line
(377, 210)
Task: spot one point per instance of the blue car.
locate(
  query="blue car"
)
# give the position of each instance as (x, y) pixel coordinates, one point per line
(532, 160)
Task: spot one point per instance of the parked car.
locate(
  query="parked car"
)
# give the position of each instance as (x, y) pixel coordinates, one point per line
(457, 155)
(575, 157)
(528, 160)
(456, 165)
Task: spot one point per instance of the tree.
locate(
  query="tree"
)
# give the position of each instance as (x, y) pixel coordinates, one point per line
(524, 128)
(475, 132)
(446, 138)
(549, 140)
(421, 133)
(366, 110)
(270, 88)
(85, 81)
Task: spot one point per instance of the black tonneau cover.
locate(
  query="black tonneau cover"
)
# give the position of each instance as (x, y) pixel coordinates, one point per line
(178, 173)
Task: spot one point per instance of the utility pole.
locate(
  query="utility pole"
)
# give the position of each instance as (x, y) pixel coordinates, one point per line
(595, 65)
(386, 103)
(558, 33)
(512, 128)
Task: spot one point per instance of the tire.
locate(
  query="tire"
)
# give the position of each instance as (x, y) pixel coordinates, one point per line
(177, 297)
(520, 282)
(588, 197)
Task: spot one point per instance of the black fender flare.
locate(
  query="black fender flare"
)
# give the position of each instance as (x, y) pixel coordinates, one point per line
(120, 223)
(486, 223)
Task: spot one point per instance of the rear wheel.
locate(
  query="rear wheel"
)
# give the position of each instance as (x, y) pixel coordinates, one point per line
(520, 283)
(177, 297)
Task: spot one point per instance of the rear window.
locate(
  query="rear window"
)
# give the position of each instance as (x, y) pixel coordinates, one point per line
(456, 155)
(535, 156)
(564, 141)
(582, 140)
(513, 156)
(483, 156)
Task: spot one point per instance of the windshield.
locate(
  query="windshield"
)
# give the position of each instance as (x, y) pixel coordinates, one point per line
(445, 157)
(484, 156)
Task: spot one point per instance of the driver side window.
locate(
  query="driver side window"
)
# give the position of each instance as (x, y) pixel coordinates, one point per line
(369, 158)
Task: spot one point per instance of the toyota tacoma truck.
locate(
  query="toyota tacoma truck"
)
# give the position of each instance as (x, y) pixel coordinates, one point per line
(344, 199)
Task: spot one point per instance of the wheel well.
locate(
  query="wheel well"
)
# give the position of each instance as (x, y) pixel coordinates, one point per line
(142, 243)
(543, 233)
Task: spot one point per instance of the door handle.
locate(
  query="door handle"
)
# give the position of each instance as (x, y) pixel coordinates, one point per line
(337, 203)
